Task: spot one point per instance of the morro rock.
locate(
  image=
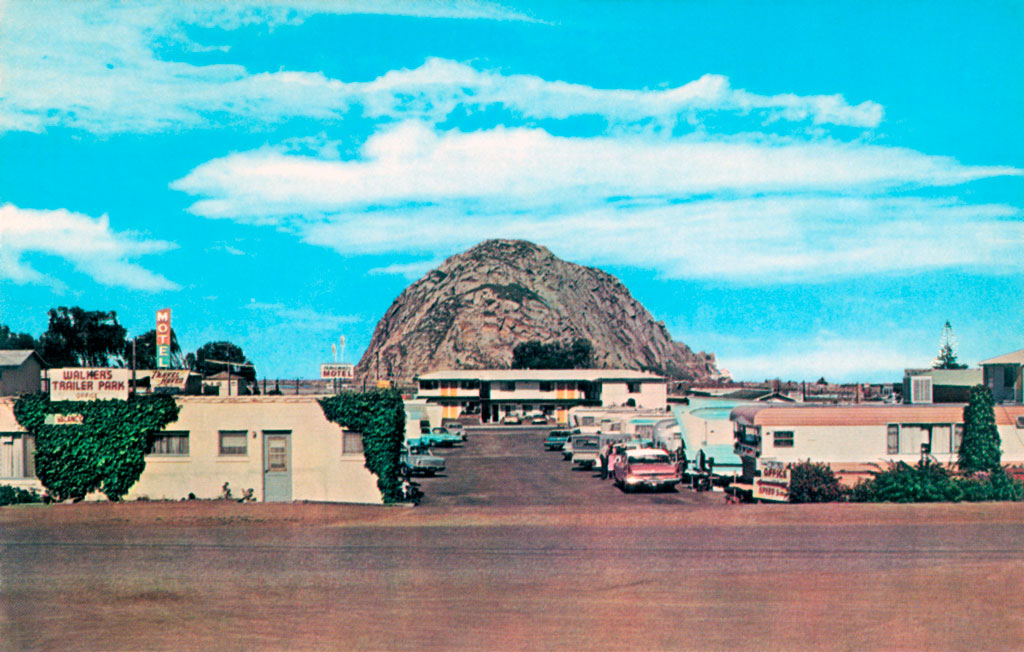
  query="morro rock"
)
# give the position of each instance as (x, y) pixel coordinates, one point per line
(470, 313)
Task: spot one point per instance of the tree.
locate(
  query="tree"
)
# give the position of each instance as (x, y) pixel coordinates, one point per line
(947, 351)
(224, 352)
(82, 338)
(9, 340)
(145, 349)
(979, 449)
(577, 354)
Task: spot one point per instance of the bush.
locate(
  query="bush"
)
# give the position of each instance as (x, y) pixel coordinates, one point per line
(929, 481)
(16, 495)
(379, 415)
(812, 482)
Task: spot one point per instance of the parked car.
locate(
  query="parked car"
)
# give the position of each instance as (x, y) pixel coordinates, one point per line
(511, 420)
(650, 468)
(440, 436)
(417, 459)
(567, 449)
(556, 440)
(456, 429)
(586, 450)
(539, 419)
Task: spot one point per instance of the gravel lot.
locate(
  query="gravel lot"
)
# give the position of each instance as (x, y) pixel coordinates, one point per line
(512, 551)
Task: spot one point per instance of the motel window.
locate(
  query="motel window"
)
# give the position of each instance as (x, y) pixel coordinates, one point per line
(351, 443)
(633, 388)
(958, 437)
(892, 445)
(428, 384)
(17, 455)
(644, 430)
(469, 384)
(234, 442)
(508, 387)
(172, 442)
(783, 439)
(587, 421)
(1009, 376)
(546, 387)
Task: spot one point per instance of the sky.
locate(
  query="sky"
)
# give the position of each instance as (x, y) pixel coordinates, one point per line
(805, 189)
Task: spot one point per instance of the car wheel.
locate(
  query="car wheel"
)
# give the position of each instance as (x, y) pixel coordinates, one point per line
(403, 469)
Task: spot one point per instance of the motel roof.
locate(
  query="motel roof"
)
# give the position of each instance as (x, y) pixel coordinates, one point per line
(862, 414)
(545, 375)
(1017, 357)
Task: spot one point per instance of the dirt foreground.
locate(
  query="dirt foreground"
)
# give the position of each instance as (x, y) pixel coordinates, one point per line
(218, 575)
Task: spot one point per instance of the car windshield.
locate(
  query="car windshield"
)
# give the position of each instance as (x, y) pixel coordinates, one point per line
(586, 443)
(419, 450)
(649, 458)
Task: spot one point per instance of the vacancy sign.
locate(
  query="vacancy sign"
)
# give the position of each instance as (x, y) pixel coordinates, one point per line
(163, 338)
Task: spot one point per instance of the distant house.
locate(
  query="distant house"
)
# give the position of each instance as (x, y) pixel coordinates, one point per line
(925, 386)
(225, 383)
(21, 372)
(1002, 375)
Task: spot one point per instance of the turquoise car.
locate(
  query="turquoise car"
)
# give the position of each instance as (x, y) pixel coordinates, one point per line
(441, 437)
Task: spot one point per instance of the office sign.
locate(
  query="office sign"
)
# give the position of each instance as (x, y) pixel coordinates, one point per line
(64, 419)
(337, 370)
(163, 338)
(88, 384)
(773, 483)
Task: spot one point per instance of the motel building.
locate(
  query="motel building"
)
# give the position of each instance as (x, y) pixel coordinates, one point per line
(858, 439)
(491, 394)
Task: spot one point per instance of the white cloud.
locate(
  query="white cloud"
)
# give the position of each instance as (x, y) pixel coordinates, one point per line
(88, 244)
(410, 271)
(96, 68)
(759, 211)
(302, 318)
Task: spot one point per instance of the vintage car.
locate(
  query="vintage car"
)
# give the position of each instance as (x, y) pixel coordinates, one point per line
(650, 468)
(440, 437)
(456, 428)
(511, 420)
(557, 439)
(586, 450)
(539, 419)
(416, 459)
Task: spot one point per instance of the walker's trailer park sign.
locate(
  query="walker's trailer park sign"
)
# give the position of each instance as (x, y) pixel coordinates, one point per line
(88, 384)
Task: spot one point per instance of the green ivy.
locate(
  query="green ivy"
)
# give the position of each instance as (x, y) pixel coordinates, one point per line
(379, 415)
(105, 453)
(16, 495)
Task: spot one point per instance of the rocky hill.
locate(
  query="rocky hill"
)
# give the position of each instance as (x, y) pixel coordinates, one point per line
(470, 312)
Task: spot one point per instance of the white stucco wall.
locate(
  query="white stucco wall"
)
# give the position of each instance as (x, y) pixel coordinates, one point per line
(652, 395)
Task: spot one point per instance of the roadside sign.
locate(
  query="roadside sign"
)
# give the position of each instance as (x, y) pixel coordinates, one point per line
(773, 483)
(163, 338)
(337, 370)
(64, 419)
(88, 384)
(169, 378)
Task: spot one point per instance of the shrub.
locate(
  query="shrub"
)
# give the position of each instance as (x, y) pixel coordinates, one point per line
(104, 453)
(979, 450)
(16, 495)
(929, 481)
(812, 482)
(379, 415)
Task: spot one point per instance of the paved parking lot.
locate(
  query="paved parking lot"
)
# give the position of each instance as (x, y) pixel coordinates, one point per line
(508, 466)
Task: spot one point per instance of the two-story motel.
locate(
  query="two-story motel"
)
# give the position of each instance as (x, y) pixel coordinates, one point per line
(492, 394)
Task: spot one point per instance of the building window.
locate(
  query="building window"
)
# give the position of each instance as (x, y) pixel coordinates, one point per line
(633, 388)
(912, 436)
(587, 421)
(17, 455)
(428, 384)
(644, 430)
(169, 443)
(508, 387)
(892, 446)
(921, 390)
(546, 387)
(1009, 376)
(351, 443)
(783, 439)
(234, 442)
(958, 437)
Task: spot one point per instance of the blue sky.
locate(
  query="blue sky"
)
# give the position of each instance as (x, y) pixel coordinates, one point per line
(805, 189)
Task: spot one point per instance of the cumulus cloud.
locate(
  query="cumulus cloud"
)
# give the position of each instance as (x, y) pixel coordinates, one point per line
(833, 358)
(98, 69)
(767, 210)
(89, 244)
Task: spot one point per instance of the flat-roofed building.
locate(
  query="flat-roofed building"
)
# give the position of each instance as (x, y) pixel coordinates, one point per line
(923, 386)
(856, 439)
(495, 393)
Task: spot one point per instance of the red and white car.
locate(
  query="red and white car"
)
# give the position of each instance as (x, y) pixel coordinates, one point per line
(650, 468)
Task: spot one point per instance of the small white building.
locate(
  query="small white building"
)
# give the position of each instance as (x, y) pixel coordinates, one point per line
(493, 393)
(281, 447)
(857, 439)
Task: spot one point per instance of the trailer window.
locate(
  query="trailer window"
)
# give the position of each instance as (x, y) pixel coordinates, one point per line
(783, 439)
